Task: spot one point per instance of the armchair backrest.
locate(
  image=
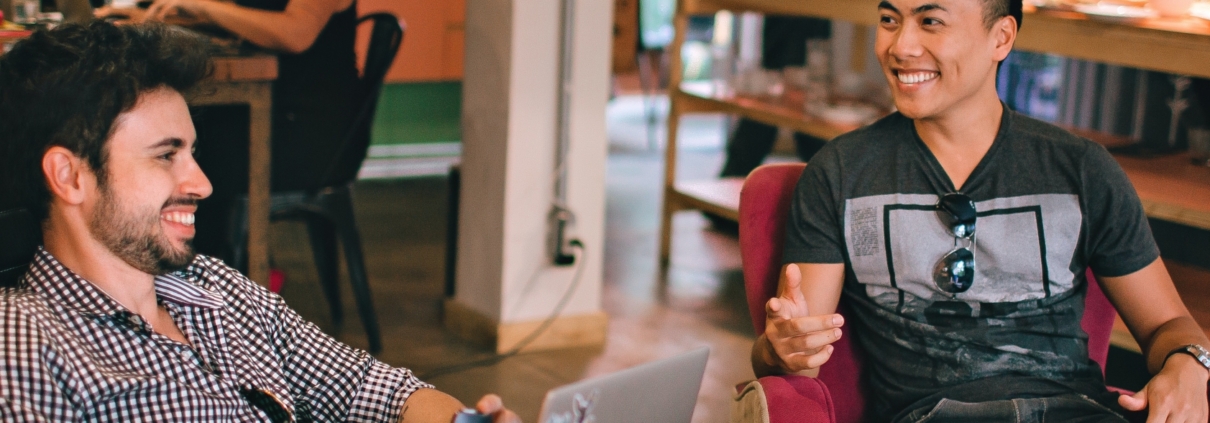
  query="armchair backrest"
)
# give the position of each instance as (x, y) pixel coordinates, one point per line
(764, 207)
(19, 239)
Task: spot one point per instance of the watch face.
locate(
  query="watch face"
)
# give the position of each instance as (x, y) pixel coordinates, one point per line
(1201, 354)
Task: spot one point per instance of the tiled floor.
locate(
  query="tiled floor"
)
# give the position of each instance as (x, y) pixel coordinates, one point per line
(699, 302)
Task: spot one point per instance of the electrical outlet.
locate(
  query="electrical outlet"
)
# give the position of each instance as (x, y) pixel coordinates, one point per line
(562, 225)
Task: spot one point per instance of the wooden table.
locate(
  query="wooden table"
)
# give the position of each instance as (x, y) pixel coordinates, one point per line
(248, 79)
(242, 79)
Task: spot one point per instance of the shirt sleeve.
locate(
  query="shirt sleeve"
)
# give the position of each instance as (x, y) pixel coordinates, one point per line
(813, 229)
(1119, 240)
(332, 381)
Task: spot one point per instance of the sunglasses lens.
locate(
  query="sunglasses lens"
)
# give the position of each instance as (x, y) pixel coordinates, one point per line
(955, 273)
(958, 213)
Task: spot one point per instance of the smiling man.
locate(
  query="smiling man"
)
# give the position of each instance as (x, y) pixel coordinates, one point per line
(959, 233)
(117, 319)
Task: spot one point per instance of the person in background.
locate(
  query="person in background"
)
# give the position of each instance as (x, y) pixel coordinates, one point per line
(314, 96)
(959, 232)
(117, 319)
(783, 44)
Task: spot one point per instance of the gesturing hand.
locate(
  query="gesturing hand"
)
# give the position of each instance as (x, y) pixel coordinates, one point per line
(799, 341)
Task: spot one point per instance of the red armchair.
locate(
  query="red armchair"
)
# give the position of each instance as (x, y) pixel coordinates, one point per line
(836, 395)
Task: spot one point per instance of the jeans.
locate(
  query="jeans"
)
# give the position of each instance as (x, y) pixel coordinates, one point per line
(1063, 408)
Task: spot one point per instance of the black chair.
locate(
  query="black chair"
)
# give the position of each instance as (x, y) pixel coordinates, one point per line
(328, 209)
(20, 236)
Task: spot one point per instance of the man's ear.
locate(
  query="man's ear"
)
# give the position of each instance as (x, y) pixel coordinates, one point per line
(1004, 32)
(68, 177)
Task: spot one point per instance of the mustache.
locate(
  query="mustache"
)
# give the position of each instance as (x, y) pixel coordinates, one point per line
(181, 201)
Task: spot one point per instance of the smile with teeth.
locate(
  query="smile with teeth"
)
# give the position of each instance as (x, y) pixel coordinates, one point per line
(179, 217)
(916, 77)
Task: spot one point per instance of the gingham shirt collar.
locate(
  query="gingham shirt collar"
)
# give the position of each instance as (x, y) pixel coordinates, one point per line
(63, 286)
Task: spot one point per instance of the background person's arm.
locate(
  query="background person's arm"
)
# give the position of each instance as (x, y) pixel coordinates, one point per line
(292, 30)
(1159, 321)
(801, 322)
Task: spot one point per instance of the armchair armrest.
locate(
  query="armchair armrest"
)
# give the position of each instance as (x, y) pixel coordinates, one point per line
(783, 399)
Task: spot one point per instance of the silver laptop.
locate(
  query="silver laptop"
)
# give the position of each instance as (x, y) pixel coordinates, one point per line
(660, 391)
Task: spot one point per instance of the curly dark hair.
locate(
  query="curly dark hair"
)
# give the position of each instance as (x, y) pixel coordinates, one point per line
(66, 87)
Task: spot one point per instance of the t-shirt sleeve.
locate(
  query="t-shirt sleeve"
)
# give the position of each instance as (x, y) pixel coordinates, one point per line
(813, 229)
(1119, 240)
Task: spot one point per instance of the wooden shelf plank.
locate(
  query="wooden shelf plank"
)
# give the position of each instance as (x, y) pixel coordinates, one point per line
(1180, 46)
(786, 110)
(717, 196)
(1171, 188)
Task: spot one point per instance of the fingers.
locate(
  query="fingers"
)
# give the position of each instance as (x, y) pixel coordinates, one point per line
(1136, 402)
(801, 326)
(803, 361)
(492, 405)
(775, 310)
(153, 13)
(159, 10)
(793, 286)
(807, 343)
(489, 404)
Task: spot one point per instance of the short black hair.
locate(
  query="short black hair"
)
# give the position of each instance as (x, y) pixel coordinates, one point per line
(996, 9)
(66, 87)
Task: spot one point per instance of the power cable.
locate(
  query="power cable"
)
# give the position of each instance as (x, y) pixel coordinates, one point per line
(558, 310)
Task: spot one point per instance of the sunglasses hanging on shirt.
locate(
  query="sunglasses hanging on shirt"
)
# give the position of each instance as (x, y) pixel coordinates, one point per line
(955, 272)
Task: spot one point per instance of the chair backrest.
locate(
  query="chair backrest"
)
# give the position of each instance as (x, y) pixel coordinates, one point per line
(20, 236)
(764, 207)
(386, 35)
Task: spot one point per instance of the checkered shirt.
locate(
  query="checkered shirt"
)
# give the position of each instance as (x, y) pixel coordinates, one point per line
(72, 353)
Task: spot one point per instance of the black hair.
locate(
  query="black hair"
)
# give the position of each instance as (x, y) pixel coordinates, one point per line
(66, 87)
(996, 9)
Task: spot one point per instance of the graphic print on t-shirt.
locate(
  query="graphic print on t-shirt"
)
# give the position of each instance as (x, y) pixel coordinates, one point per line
(1023, 247)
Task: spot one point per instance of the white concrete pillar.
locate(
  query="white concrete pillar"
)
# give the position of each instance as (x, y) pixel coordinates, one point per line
(506, 282)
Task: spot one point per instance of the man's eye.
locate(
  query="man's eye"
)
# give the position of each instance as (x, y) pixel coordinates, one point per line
(887, 19)
(931, 22)
(167, 156)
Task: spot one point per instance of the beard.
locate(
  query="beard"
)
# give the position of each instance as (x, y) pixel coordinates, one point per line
(136, 237)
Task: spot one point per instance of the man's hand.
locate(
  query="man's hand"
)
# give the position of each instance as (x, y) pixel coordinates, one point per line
(799, 341)
(1177, 394)
(120, 14)
(492, 405)
(188, 9)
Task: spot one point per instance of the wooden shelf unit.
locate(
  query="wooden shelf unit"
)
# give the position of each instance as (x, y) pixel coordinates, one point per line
(1170, 187)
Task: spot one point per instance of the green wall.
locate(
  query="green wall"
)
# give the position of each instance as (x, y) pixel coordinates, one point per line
(419, 113)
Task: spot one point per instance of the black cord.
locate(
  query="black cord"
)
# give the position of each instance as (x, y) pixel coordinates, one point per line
(575, 281)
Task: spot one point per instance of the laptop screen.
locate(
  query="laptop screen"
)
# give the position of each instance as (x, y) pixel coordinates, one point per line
(660, 391)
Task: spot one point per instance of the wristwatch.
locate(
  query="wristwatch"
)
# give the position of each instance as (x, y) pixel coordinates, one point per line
(1197, 351)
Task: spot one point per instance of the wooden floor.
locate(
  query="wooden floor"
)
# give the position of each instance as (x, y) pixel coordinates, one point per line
(700, 302)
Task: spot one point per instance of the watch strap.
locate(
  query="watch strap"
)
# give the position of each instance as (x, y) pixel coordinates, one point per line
(1198, 352)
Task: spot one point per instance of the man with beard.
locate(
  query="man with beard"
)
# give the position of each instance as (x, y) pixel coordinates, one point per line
(117, 319)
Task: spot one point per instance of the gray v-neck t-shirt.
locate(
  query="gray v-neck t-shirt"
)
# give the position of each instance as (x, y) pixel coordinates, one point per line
(1050, 205)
